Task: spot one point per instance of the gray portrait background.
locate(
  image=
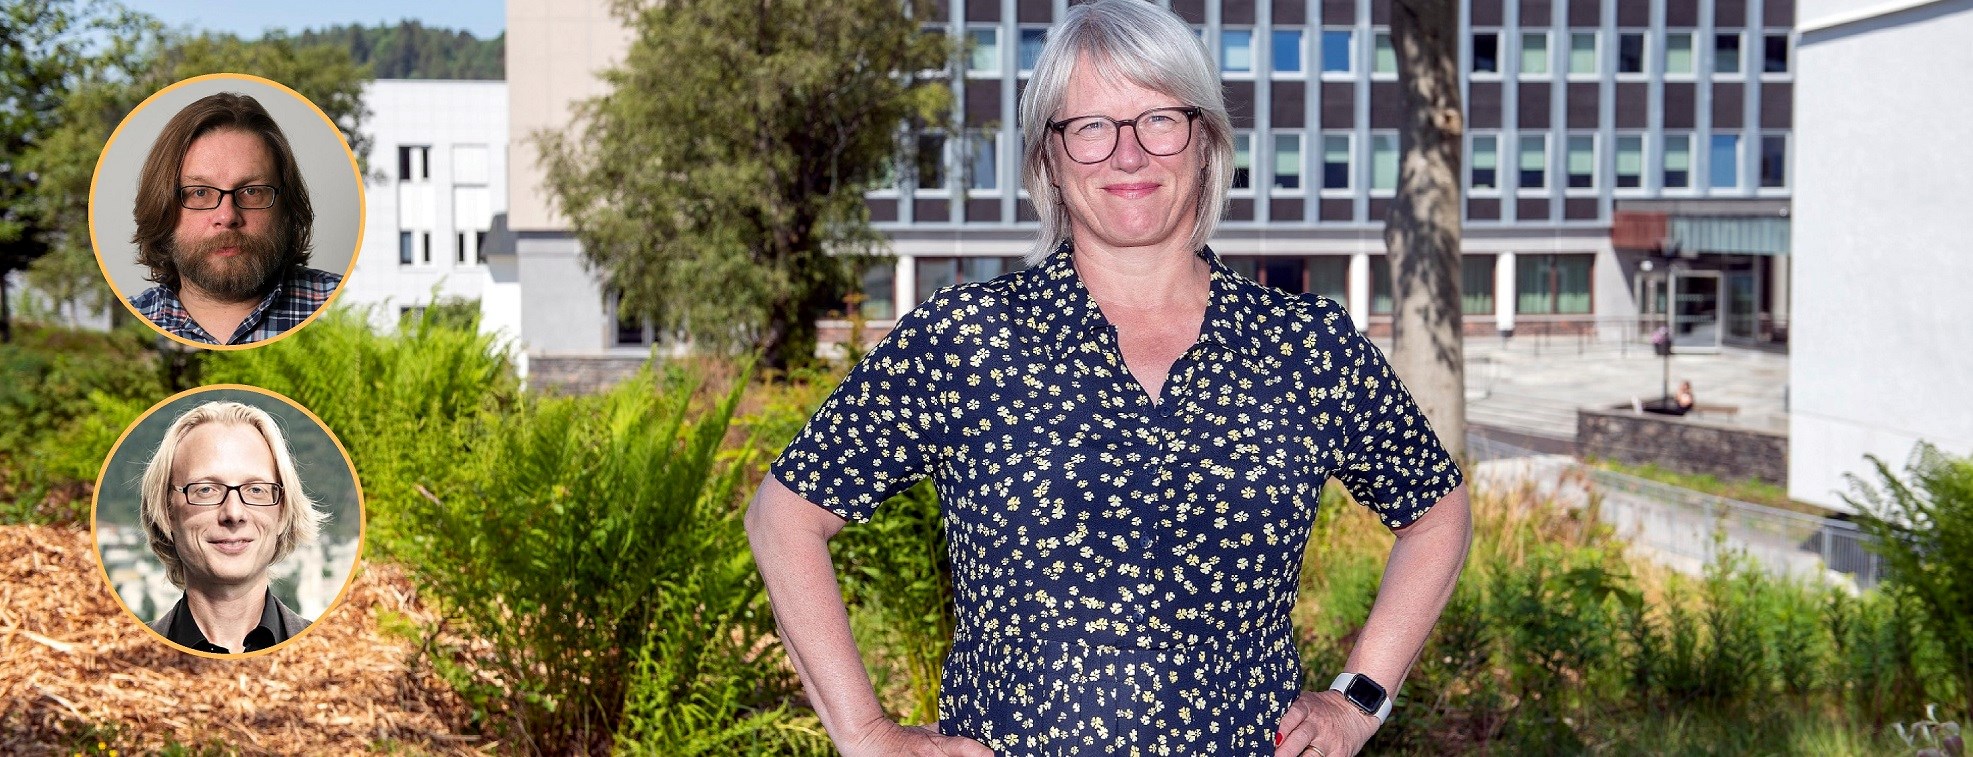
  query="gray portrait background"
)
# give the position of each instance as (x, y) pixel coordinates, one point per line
(307, 580)
(319, 149)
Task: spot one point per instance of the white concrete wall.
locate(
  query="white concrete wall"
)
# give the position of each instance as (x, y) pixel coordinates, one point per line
(1881, 344)
(456, 119)
(555, 49)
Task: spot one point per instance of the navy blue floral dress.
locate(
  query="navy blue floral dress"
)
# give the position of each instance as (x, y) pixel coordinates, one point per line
(1123, 567)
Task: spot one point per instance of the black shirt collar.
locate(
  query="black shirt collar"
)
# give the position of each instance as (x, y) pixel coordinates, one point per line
(184, 631)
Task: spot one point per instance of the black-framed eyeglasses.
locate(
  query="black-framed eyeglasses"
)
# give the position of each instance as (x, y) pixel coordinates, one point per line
(208, 493)
(249, 197)
(1160, 131)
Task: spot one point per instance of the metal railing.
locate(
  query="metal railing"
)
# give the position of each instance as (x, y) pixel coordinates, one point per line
(1697, 525)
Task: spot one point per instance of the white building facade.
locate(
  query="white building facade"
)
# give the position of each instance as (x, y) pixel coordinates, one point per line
(1883, 320)
(437, 179)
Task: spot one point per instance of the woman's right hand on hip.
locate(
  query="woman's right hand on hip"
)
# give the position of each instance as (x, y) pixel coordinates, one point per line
(888, 738)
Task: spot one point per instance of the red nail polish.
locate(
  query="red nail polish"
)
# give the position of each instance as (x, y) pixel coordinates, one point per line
(1277, 738)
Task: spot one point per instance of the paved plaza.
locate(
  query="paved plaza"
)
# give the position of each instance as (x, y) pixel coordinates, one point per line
(1533, 385)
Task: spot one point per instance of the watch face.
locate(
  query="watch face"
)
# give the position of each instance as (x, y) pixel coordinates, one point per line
(1365, 694)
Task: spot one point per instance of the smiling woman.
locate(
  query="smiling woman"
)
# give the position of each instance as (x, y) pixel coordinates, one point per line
(243, 553)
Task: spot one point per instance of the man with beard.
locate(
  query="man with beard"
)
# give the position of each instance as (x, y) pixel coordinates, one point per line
(223, 223)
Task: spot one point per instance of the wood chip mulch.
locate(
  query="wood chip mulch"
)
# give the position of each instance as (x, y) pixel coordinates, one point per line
(77, 676)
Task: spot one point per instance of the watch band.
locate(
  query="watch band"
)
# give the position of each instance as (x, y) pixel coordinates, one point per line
(1342, 686)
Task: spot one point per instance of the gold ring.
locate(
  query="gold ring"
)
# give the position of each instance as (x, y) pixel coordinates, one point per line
(1318, 750)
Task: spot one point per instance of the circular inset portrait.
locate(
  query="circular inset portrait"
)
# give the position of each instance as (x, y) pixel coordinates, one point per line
(226, 210)
(228, 519)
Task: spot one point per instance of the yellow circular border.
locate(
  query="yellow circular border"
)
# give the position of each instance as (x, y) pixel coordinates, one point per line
(362, 521)
(355, 170)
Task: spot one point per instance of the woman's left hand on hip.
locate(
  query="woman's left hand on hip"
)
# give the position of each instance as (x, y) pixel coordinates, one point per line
(1322, 724)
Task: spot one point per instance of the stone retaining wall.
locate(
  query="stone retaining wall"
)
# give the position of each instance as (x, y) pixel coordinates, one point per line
(1683, 444)
(580, 375)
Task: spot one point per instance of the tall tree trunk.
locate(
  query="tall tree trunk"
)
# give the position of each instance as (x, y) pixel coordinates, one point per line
(6, 316)
(1422, 232)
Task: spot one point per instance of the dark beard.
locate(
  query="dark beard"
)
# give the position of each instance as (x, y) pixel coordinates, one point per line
(243, 278)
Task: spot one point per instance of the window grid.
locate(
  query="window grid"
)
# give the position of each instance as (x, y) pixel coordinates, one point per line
(1236, 52)
(1483, 164)
(1287, 167)
(1535, 58)
(1580, 162)
(1338, 52)
(983, 51)
(1338, 158)
(1486, 63)
(1533, 164)
(1629, 175)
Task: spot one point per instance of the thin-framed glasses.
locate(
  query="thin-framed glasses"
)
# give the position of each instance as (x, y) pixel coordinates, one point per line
(249, 197)
(1160, 131)
(208, 493)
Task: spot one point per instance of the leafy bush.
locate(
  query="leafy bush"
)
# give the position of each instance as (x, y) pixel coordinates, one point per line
(897, 578)
(1924, 529)
(401, 403)
(596, 545)
(67, 397)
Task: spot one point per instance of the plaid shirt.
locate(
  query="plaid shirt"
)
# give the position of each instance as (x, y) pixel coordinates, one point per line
(300, 294)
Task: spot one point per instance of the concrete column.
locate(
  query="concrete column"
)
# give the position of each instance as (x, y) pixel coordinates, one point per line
(1503, 293)
(906, 281)
(1778, 266)
(1360, 290)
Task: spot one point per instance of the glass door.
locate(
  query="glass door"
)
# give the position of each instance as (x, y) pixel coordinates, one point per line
(1696, 300)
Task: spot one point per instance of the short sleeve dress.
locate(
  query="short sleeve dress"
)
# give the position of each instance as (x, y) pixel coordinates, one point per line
(1123, 568)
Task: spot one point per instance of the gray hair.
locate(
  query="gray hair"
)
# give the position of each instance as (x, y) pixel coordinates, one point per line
(1148, 46)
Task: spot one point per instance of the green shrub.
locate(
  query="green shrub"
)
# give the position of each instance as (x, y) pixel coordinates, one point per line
(1924, 529)
(401, 403)
(896, 576)
(68, 396)
(595, 544)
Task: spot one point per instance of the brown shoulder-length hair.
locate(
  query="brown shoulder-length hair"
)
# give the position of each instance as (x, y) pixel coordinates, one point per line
(157, 187)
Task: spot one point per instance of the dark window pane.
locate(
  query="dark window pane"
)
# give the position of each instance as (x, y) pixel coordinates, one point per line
(404, 251)
(1476, 284)
(1630, 53)
(1486, 52)
(1775, 61)
(1284, 274)
(1774, 161)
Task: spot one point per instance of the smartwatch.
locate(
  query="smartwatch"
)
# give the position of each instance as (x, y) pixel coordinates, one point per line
(1366, 694)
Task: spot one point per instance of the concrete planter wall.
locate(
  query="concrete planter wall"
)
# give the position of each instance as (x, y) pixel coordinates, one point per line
(1682, 444)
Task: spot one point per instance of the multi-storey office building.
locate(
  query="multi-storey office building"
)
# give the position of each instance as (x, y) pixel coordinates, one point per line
(1623, 158)
(1619, 154)
(437, 178)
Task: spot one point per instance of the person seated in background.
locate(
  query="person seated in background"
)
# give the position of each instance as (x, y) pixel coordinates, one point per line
(1684, 401)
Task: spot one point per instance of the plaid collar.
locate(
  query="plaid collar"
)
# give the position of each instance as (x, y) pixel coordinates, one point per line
(299, 295)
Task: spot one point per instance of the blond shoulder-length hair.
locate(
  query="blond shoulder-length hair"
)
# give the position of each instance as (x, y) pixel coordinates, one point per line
(301, 520)
(1144, 44)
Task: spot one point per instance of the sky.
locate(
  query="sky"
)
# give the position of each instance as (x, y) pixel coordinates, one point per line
(250, 18)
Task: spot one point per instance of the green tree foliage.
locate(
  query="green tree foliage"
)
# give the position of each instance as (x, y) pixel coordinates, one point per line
(47, 49)
(136, 59)
(1924, 528)
(411, 50)
(719, 184)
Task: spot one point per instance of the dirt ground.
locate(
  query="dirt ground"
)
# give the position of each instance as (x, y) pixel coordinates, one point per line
(78, 676)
